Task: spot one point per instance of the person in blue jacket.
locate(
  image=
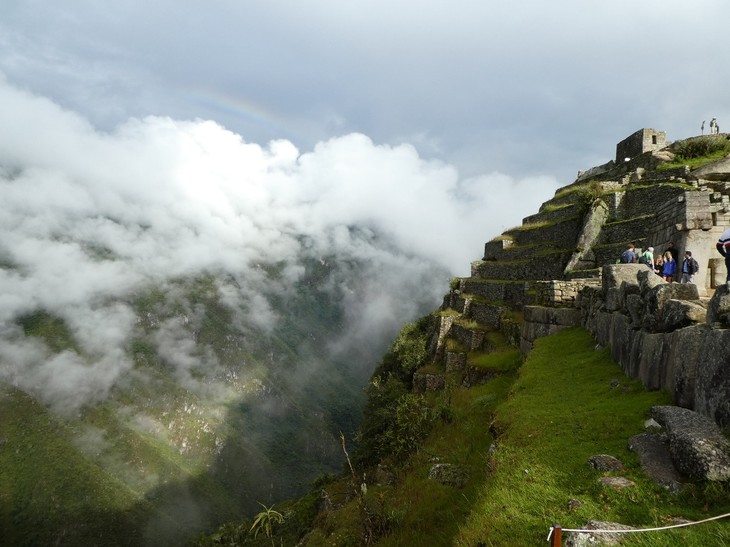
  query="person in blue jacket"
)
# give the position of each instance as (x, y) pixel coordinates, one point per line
(669, 268)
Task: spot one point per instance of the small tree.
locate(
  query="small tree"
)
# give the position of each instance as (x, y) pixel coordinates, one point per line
(265, 521)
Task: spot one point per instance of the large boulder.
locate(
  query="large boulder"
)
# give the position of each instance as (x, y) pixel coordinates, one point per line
(648, 280)
(718, 311)
(697, 446)
(655, 460)
(681, 313)
(712, 376)
(656, 298)
(616, 274)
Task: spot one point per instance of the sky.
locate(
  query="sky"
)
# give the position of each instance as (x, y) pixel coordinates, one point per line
(524, 88)
(189, 137)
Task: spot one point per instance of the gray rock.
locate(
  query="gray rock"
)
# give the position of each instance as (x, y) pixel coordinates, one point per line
(604, 462)
(718, 311)
(617, 483)
(655, 460)
(648, 280)
(614, 299)
(455, 361)
(635, 307)
(474, 376)
(427, 382)
(616, 274)
(656, 298)
(678, 314)
(449, 475)
(712, 378)
(697, 446)
(585, 539)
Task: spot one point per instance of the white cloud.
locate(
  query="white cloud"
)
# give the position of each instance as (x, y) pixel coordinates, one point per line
(89, 218)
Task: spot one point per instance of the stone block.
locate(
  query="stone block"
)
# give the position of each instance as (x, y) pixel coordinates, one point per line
(455, 361)
(718, 311)
(697, 446)
(712, 375)
(681, 313)
(615, 274)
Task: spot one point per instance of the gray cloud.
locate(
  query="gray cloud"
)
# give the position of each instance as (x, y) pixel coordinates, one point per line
(525, 88)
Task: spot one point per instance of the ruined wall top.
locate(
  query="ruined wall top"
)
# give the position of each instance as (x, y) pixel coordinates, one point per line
(643, 140)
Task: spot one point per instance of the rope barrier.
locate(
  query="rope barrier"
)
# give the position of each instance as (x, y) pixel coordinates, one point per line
(631, 530)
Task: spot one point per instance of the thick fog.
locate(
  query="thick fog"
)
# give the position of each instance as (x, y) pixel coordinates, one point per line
(89, 217)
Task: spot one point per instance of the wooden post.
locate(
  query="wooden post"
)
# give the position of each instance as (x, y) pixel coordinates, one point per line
(557, 536)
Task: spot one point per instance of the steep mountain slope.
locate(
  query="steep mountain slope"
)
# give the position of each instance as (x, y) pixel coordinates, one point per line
(216, 412)
(457, 447)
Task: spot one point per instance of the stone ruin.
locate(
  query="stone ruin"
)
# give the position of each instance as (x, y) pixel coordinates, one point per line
(558, 270)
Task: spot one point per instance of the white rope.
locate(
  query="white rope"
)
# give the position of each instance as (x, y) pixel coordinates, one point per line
(586, 531)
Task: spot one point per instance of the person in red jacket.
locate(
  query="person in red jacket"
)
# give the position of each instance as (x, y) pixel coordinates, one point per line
(723, 246)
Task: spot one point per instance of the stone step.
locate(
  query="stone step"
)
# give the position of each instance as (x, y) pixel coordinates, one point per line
(553, 214)
(562, 233)
(545, 266)
(623, 232)
(495, 291)
(470, 338)
(639, 200)
(525, 252)
(483, 312)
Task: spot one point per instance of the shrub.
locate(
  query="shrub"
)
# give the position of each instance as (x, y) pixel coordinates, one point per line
(413, 420)
(700, 147)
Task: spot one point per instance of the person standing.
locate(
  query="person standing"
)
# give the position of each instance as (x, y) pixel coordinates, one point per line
(669, 268)
(675, 254)
(628, 256)
(723, 247)
(689, 268)
(659, 266)
(647, 257)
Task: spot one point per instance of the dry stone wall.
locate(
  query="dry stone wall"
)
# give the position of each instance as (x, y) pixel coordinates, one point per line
(660, 333)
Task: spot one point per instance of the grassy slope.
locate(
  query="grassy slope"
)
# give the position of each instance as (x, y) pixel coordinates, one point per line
(562, 410)
(50, 494)
(569, 402)
(104, 478)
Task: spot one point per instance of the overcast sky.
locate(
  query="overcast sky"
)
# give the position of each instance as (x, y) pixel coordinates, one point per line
(523, 88)
(183, 137)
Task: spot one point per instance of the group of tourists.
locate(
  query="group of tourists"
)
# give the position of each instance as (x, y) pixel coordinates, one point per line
(666, 265)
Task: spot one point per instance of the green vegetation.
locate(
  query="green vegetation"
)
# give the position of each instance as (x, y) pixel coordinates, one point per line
(569, 402)
(697, 152)
(49, 492)
(256, 417)
(584, 193)
(52, 330)
(550, 207)
(264, 522)
(625, 220)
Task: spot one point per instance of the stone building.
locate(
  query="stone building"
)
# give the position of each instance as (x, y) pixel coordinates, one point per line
(643, 140)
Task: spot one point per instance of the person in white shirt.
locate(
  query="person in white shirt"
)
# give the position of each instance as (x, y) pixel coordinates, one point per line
(723, 247)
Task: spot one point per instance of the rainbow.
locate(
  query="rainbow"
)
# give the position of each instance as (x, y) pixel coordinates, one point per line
(242, 108)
